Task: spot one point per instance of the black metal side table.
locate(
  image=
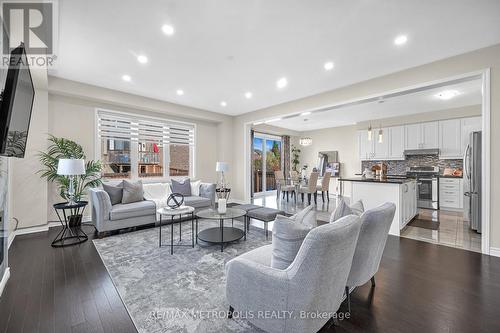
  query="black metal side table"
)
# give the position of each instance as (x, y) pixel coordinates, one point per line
(172, 213)
(71, 233)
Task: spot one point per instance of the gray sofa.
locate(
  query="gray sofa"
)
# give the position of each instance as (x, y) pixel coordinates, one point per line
(314, 281)
(107, 217)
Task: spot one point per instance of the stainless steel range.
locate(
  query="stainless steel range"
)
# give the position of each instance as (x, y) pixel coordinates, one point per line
(428, 185)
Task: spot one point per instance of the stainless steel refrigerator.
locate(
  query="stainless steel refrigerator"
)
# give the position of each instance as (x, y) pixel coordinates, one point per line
(472, 181)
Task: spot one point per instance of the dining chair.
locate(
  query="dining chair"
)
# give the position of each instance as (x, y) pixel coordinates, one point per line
(279, 179)
(324, 187)
(310, 188)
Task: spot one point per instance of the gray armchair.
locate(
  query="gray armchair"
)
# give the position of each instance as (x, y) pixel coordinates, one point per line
(375, 225)
(314, 281)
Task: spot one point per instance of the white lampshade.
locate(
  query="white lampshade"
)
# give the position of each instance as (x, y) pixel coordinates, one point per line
(70, 167)
(221, 167)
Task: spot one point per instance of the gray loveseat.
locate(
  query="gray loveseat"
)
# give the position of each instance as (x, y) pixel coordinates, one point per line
(107, 217)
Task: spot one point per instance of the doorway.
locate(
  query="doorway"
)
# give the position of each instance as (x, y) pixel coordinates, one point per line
(266, 159)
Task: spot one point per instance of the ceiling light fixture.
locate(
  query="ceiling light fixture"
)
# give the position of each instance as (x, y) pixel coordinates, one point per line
(248, 95)
(400, 40)
(168, 29)
(447, 94)
(305, 113)
(282, 83)
(328, 66)
(370, 133)
(180, 92)
(380, 135)
(223, 104)
(126, 78)
(305, 141)
(142, 59)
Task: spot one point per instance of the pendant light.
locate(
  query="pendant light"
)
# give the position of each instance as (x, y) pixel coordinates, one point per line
(380, 135)
(370, 132)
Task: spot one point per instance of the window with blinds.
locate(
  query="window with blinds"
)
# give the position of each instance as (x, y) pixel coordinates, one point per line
(132, 146)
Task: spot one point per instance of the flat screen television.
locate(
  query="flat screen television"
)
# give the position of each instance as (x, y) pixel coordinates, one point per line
(16, 104)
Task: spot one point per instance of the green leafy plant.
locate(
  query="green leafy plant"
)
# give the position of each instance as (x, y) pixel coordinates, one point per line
(63, 148)
(295, 157)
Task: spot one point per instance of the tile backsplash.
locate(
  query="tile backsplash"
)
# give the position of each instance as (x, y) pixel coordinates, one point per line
(399, 167)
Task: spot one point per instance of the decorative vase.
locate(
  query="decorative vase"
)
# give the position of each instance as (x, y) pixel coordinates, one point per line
(222, 206)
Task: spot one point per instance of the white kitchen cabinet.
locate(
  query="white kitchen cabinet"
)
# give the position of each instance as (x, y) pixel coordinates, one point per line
(430, 135)
(450, 141)
(365, 146)
(412, 136)
(408, 202)
(469, 125)
(381, 149)
(451, 193)
(422, 136)
(396, 142)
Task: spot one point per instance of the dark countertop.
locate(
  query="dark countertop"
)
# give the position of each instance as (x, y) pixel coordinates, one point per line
(458, 177)
(377, 180)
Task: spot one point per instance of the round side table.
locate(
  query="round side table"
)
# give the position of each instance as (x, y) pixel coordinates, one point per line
(170, 214)
(71, 233)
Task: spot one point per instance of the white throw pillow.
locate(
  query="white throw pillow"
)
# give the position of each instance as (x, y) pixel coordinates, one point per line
(288, 235)
(195, 188)
(156, 191)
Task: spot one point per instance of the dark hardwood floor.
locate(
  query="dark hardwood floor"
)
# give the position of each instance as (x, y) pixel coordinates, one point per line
(421, 287)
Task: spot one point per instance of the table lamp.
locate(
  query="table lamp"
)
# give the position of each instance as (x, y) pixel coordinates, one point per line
(222, 167)
(71, 167)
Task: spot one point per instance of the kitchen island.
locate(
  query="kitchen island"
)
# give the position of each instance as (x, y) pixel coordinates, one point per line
(376, 191)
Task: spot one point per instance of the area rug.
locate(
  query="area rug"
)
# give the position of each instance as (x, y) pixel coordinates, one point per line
(183, 292)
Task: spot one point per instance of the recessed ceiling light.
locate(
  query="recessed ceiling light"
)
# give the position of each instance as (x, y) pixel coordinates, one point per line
(447, 94)
(305, 113)
(180, 92)
(168, 29)
(272, 120)
(126, 78)
(328, 66)
(223, 104)
(142, 59)
(248, 94)
(282, 83)
(400, 40)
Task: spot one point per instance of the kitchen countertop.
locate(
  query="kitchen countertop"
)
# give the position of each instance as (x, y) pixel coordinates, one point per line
(378, 180)
(458, 177)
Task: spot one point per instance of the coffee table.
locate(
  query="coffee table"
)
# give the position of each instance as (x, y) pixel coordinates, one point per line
(172, 213)
(221, 234)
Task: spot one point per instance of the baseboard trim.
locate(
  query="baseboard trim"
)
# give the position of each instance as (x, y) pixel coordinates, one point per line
(3, 282)
(495, 251)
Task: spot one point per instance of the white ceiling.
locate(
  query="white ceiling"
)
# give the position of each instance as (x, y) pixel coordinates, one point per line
(224, 48)
(415, 103)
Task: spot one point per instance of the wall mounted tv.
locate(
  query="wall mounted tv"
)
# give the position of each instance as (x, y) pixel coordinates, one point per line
(16, 104)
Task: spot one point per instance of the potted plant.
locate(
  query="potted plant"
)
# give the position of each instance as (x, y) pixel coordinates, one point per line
(63, 148)
(295, 157)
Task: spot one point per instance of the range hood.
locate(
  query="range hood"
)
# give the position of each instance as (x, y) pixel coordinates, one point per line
(412, 152)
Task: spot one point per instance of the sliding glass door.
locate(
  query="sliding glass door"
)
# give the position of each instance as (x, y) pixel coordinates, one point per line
(266, 159)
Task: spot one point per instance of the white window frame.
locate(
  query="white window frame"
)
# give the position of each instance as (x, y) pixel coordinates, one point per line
(134, 145)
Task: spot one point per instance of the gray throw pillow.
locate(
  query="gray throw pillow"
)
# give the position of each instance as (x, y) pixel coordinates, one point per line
(288, 235)
(183, 187)
(115, 192)
(342, 210)
(357, 208)
(307, 216)
(132, 192)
